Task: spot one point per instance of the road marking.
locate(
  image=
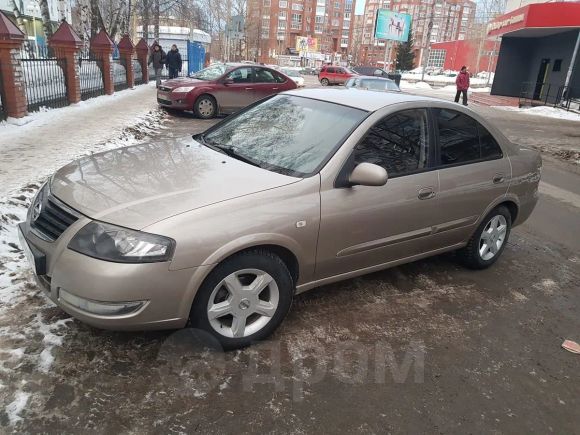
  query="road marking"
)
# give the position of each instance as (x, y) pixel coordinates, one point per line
(560, 194)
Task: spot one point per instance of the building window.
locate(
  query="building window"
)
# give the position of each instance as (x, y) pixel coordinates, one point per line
(297, 7)
(282, 15)
(436, 58)
(320, 10)
(281, 25)
(267, 3)
(557, 65)
(335, 23)
(283, 4)
(318, 28)
(295, 25)
(336, 5)
(347, 16)
(297, 18)
(266, 23)
(318, 19)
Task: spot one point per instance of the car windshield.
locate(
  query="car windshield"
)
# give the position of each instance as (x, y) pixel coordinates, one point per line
(213, 72)
(291, 73)
(286, 134)
(379, 85)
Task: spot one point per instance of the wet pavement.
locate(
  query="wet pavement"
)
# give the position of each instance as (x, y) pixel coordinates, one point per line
(425, 347)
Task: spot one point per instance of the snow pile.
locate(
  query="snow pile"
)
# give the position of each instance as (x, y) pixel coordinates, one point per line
(14, 409)
(549, 112)
(405, 85)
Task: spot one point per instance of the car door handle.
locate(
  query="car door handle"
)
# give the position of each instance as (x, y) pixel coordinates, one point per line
(249, 89)
(498, 178)
(426, 193)
(275, 89)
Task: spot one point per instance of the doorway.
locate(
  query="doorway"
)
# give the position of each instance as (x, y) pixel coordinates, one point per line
(541, 79)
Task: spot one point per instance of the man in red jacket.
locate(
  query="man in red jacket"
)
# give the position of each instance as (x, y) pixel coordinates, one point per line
(462, 83)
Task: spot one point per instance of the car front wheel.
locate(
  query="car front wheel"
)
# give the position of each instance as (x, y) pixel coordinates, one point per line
(489, 240)
(205, 107)
(324, 82)
(244, 299)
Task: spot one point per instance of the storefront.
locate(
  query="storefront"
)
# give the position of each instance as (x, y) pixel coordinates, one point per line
(538, 57)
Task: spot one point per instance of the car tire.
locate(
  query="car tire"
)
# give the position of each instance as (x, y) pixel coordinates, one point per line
(205, 107)
(222, 305)
(489, 240)
(324, 82)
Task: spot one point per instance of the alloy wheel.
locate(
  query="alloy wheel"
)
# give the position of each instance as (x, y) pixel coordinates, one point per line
(493, 237)
(243, 303)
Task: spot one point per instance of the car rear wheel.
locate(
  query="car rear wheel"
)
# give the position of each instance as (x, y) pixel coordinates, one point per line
(324, 82)
(205, 107)
(489, 240)
(244, 299)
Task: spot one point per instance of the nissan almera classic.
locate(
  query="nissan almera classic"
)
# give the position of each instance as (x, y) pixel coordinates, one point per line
(303, 189)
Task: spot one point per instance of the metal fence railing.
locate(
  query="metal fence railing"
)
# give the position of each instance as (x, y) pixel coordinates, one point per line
(137, 71)
(3, 114)
(91, 78)
(119, 75)
(548, 94)
(45, 83)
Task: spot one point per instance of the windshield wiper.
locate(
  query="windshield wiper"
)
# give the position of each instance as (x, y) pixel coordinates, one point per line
(229, 151)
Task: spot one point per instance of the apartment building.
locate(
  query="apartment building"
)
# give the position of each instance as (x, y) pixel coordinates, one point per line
(273, 27)
(451, 20)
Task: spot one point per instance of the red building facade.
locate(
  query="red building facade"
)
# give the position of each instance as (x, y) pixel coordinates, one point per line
(478, 55)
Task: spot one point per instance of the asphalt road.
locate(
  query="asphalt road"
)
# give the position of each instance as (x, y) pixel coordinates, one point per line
(428, 347)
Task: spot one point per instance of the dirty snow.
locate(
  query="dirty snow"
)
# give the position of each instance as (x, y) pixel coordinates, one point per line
(405, 85)
(14, 409)
(550, 112)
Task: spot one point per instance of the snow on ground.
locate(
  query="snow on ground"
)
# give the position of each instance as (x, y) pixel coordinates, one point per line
(405, 85)
(440, 79)
(52, 138)
(550, 112)
(30, 327)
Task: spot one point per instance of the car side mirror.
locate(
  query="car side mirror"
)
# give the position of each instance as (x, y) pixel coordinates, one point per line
(368, 174)
(228, 81)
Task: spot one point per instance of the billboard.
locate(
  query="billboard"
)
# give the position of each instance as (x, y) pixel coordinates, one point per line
(306, 44)
(392, 25)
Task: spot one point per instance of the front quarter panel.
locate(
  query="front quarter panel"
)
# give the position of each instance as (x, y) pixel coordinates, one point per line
(286, 216)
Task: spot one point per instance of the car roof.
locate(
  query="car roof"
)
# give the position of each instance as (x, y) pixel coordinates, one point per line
(369, 101)
(384, 79)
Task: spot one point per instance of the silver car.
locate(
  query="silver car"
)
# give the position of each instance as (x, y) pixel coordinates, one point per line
(303, 189)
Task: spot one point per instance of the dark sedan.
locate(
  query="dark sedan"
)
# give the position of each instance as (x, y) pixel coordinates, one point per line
(222, 88)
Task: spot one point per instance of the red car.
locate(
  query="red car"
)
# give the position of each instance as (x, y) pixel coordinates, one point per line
(222, 88)
(334, 75)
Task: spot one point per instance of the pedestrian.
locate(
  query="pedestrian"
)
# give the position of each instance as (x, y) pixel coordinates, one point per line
(174, 62)
(462, 83)
(157, 58)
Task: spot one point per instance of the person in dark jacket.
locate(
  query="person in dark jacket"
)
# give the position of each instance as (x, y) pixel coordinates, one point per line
(462, 83)
(174, 62)
(157, 58)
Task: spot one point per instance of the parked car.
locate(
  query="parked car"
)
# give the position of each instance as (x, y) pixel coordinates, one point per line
(334, 75)
(303, 189)
(378, 72)
(309, 71)
(294, 75)
(222, 88)
(370, 83)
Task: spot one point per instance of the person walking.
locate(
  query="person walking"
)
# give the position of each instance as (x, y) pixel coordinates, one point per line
(174, 62)
(157, 58)
(462, 83)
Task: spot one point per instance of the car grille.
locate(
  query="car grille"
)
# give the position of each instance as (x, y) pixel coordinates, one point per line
(164, 89)
(53, 220)
(162, 101)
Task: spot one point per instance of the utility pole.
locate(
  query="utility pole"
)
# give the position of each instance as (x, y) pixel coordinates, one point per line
(572, 62)
(387, 54)
(425, 59)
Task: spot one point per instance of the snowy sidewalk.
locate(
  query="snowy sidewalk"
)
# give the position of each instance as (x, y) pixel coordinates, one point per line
(53, 138)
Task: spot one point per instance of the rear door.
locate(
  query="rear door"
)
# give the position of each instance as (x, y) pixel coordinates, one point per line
(473, 173)
(265, 83)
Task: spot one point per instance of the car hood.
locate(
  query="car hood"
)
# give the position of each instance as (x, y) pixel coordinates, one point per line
(184, 81)
(139, 185)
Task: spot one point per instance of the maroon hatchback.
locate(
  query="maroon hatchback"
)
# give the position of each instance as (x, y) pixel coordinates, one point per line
(222, 88)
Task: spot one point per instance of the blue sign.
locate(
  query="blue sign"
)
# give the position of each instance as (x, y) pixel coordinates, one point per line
(392, 25)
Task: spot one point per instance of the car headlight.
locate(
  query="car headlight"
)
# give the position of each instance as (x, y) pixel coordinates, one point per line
(183, 89)
(122, 245)
(38, 200)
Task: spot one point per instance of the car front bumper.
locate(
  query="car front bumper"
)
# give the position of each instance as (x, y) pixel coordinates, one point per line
(173, 101)
(109, 295)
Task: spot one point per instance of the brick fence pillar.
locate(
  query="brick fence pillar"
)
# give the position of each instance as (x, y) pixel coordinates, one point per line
(66, 45)
(143, 57)
(102, 48)
(126, 51)
(13, 87)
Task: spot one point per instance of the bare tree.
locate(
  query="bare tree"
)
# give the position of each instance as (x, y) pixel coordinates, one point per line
(156, 12)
